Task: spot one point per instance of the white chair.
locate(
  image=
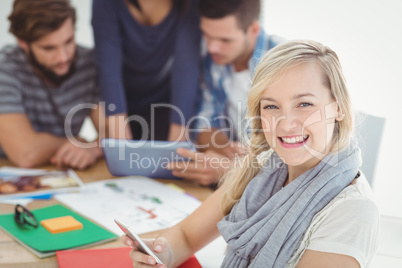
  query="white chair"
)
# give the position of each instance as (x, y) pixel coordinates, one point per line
(368, 131)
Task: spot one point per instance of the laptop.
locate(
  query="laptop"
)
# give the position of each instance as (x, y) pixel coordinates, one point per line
(142, 158)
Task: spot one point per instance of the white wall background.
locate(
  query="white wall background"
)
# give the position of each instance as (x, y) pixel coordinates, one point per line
(367, 36)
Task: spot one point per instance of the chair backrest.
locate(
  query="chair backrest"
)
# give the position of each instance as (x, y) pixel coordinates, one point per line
(368, 131)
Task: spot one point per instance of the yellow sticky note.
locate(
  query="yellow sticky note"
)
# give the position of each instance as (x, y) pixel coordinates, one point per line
(61, 224)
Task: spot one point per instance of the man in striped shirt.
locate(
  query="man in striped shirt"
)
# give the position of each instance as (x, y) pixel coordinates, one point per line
(48, 86)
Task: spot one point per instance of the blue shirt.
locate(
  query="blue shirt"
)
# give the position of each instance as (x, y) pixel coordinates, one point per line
(212, 106)
(141, 65)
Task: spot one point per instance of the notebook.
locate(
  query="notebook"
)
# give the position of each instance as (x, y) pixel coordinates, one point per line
(43, 243)
(105, 258)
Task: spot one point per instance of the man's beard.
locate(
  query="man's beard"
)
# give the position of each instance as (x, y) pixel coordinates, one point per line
(48, 74)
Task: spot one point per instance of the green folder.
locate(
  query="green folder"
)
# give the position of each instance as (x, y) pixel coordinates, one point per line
(43, 243)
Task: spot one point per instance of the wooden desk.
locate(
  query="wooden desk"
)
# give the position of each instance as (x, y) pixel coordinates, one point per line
(13, 255)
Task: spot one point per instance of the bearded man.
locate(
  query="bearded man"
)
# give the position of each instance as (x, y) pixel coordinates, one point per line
(48, 85)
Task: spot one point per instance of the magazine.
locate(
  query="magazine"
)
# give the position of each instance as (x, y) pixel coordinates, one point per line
(15, 182)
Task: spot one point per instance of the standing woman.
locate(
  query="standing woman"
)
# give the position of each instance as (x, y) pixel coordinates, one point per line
(147, 53)
(306, 205)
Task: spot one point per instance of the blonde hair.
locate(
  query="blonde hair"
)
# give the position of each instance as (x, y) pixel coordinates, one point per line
(283, 56)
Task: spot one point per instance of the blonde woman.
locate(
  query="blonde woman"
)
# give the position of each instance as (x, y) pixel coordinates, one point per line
(307, 204)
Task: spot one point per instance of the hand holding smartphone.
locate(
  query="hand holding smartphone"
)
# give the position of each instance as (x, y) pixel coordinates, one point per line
(142, 247)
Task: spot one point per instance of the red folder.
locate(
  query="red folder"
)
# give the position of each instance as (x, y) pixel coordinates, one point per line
(191, 263)
(105, 258)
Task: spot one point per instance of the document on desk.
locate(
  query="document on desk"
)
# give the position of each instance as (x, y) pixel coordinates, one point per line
(22, 183)
(143, 203)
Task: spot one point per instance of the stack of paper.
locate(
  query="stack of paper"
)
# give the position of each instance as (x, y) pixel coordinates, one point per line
(144, 204)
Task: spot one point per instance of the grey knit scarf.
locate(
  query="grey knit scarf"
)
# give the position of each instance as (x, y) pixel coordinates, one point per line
(265, 226)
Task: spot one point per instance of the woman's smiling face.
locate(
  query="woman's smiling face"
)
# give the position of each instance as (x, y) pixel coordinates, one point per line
(298, 115)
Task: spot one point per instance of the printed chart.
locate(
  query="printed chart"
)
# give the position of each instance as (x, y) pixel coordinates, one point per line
(144, 204)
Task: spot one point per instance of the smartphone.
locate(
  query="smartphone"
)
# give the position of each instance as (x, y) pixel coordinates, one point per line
(137, 240)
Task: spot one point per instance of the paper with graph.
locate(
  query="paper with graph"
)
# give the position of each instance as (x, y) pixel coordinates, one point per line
(143, 203)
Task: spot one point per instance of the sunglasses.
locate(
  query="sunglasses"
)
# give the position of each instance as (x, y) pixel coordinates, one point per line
(23, 217)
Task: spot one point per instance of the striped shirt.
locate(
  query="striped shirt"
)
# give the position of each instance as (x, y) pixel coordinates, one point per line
(22, 91)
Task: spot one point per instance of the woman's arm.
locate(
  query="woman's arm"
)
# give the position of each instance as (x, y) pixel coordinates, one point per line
(177, 132)
(119, 126)
(346, 237)
(188, 236)
(185, 70)
(317, 259)
(197, 230)
(109, 55)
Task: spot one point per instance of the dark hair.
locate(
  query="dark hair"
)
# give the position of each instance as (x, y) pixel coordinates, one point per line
(180, 5)
(32, 19)
(245, 11)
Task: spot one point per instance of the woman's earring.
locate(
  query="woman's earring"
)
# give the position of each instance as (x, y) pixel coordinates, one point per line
(340, 117)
